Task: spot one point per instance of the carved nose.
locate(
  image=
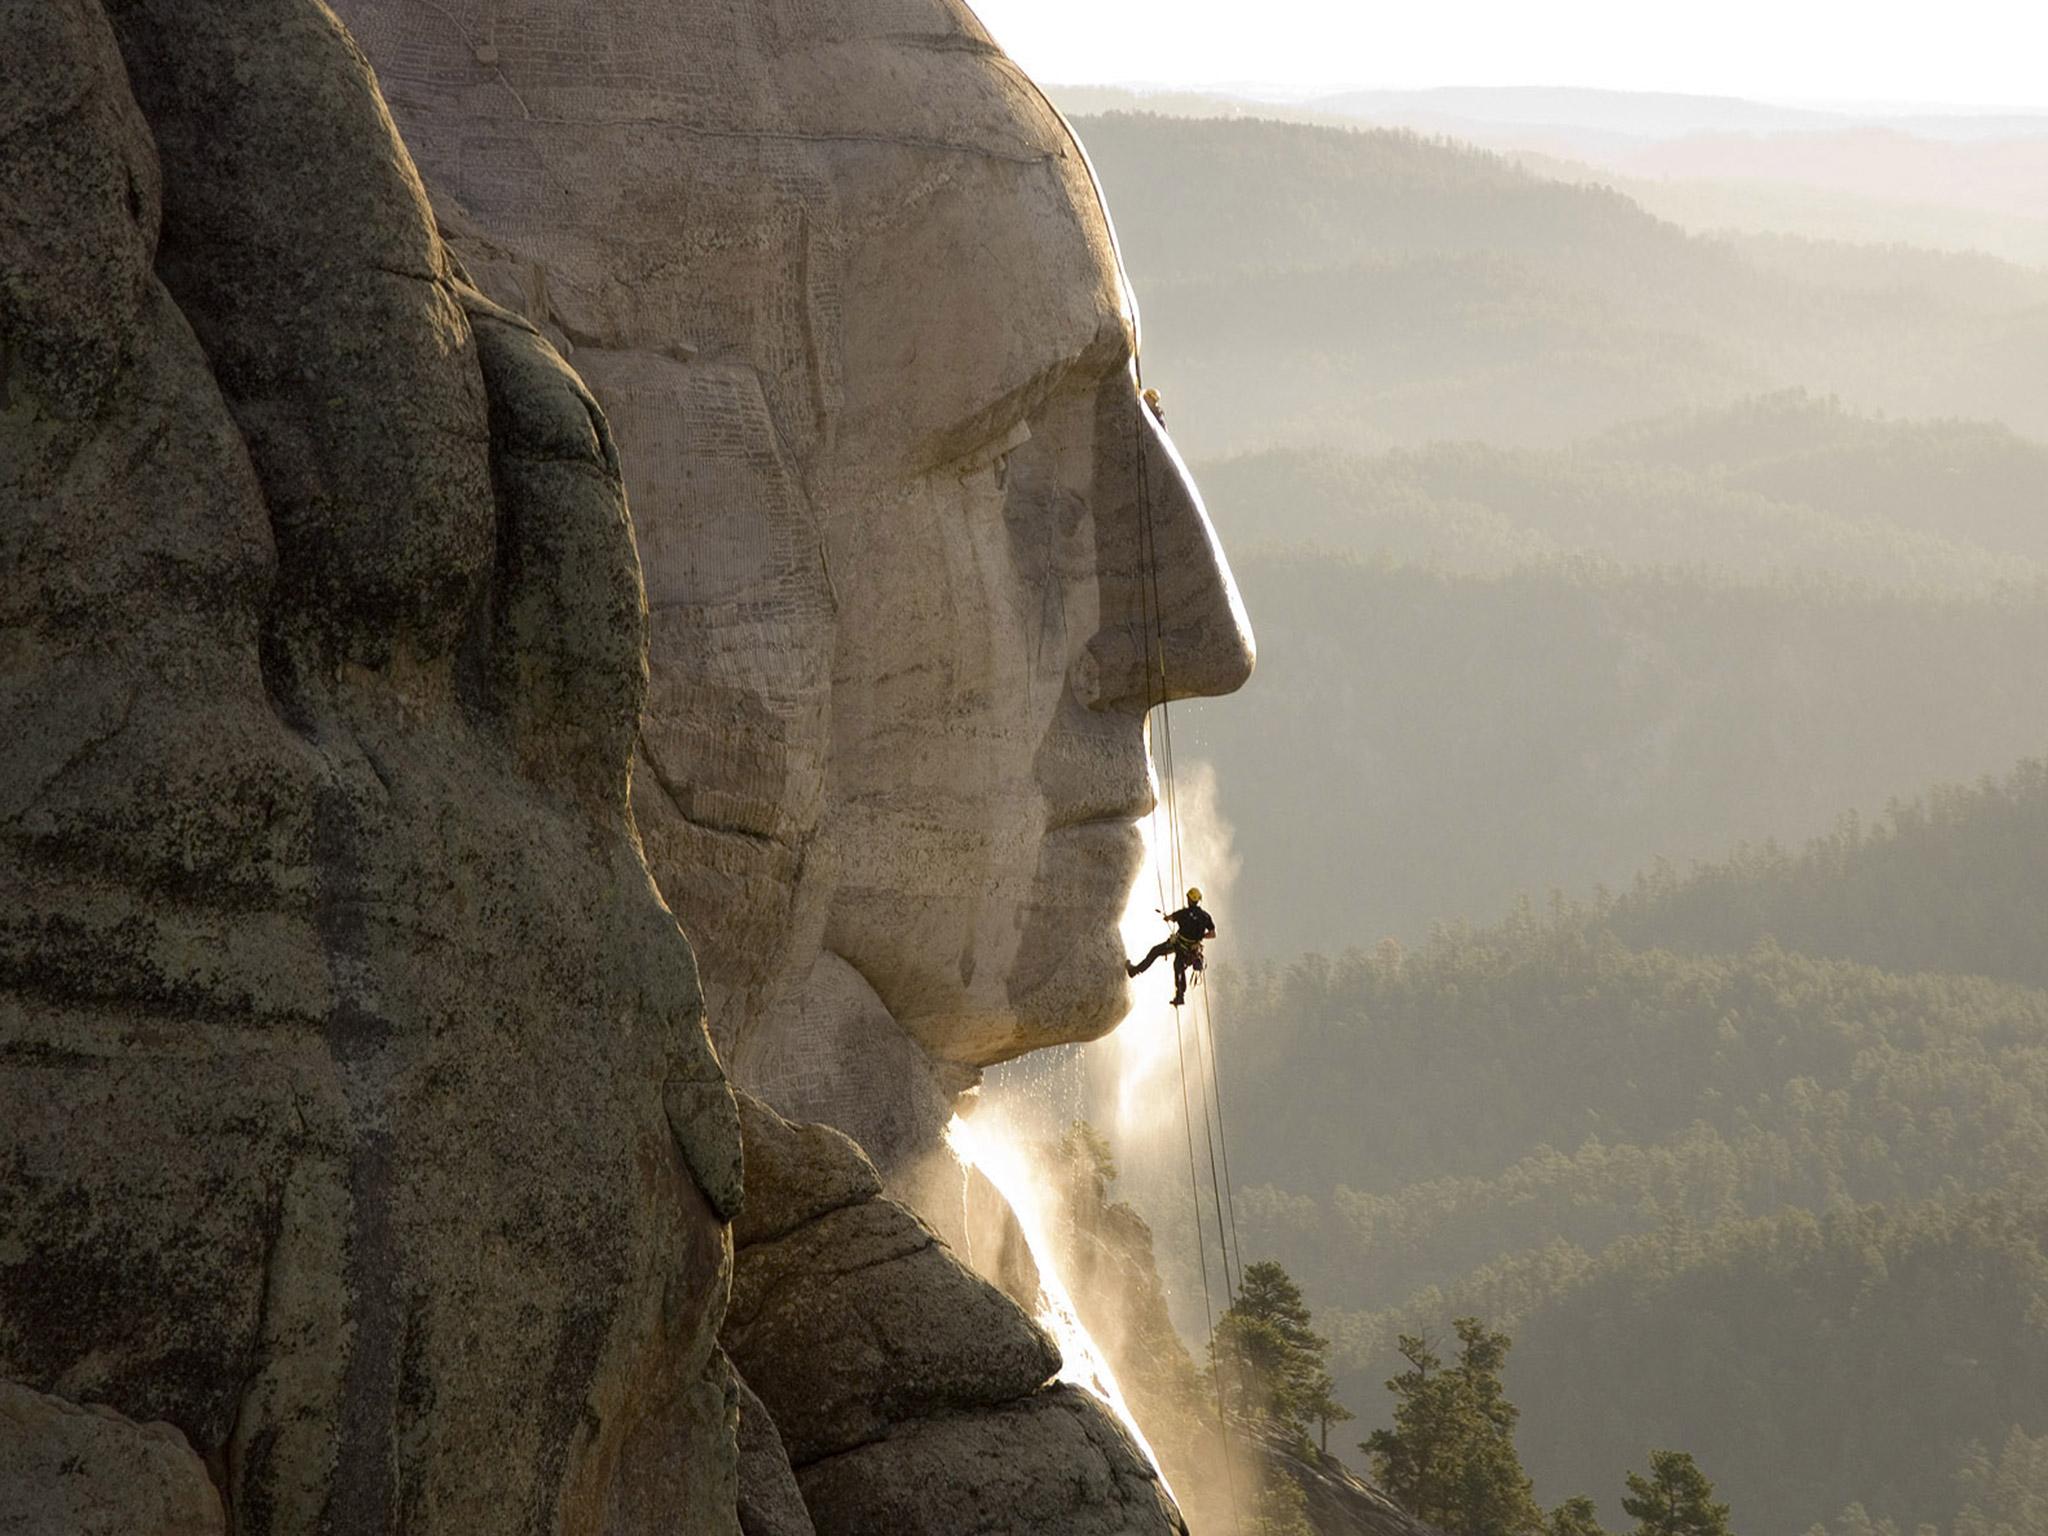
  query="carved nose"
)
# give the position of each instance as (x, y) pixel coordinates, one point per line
(1173, 625)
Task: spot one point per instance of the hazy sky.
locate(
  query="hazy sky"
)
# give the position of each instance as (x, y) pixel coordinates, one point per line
(1962, 52)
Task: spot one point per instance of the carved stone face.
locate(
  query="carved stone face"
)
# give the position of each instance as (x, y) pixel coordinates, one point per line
(843, 283)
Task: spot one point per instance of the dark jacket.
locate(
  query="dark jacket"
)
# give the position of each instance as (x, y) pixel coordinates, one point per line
(1194, 924)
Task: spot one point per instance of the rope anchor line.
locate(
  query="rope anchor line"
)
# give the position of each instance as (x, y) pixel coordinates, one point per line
(1208, 1082)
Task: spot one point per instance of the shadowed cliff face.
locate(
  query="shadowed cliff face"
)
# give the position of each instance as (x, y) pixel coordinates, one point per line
(843, 283)
(355, 1111)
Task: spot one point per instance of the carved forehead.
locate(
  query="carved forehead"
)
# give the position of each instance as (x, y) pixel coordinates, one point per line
(815, 70)
(767, 181)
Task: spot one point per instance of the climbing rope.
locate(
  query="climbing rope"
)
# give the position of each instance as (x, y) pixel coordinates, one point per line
(1155, 623)
(1152, 611)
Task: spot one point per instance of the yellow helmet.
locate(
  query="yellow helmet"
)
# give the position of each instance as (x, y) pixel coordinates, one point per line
(1194, 893)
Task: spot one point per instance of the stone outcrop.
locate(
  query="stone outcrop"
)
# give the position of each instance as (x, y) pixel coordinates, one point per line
(1055, 1461)
(910, 1394)
(1336, 1500)
(918, 558)
(356, 1116)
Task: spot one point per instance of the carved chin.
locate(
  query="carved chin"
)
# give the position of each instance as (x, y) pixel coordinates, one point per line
(1059, 980)
(1084, 998)
(1068, 982)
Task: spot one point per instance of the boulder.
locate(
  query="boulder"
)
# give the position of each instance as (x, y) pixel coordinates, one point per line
(795, 1174)
(882, 1358)
(1054, 1461)
(66, 1470)
(863, 1319)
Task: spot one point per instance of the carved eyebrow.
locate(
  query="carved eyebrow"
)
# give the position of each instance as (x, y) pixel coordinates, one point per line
(1108, 351)
(972, 435)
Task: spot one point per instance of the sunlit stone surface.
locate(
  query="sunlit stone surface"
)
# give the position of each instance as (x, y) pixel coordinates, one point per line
(841, 279)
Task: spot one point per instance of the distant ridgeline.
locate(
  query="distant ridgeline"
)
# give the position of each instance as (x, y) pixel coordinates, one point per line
(1752, 1161)
(1782, 486)
(1367, 289)
(1573, 538)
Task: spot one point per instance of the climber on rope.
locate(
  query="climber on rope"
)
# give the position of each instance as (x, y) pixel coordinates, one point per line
(1157, 408)
(1191, 925)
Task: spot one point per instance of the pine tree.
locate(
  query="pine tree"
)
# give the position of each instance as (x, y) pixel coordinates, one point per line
(1415, 1460)
(1675, 1499)
(1319, 1403)
(1272, 1361)
(1576, 1516)
(1279, 1507)
(1450, 1458)
(1256, 1365)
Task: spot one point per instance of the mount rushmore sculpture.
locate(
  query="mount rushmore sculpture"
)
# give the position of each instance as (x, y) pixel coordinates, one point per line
(369, 1166)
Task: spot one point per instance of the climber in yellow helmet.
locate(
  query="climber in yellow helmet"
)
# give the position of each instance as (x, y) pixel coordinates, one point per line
(1191, 925)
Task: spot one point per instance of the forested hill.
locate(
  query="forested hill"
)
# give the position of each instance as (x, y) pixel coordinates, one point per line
(1573, 539)
(1786, 1209)
(1420, 746)
(1577, 546)
(1197, 200)
(1787, 484)
(1954, 880)
(1366, 289)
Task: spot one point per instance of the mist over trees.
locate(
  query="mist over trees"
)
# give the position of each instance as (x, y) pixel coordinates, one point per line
(1420, 746)
(1640, 949)
(1788, 1211)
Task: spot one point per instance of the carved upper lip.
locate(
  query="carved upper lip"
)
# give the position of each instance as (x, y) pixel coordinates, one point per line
(1134, 809)
(1093, 769)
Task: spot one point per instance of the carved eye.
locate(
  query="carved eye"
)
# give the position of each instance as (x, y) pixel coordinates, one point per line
(994, 452)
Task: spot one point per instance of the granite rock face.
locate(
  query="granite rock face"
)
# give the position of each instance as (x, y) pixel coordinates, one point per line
(910, 1394)
(918, 558)
(1055, 1461)
(71, 1471)
(918, 561)
(356, 1116)
(770, 1503)
(1336, 1500)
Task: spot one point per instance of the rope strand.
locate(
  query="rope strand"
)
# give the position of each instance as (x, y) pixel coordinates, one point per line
(1222, 1141)
(1152, 610)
